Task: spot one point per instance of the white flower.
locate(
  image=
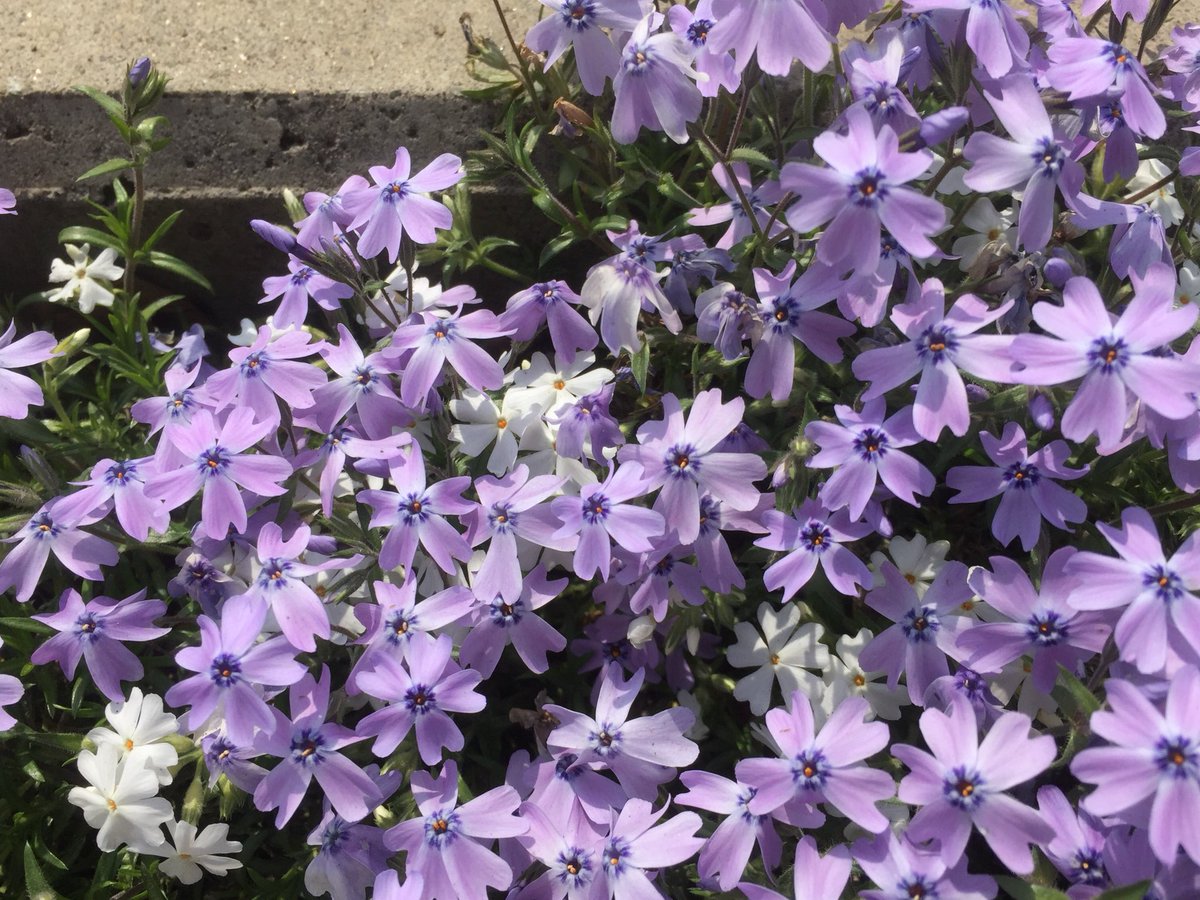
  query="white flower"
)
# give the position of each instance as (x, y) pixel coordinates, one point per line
(917, 559)
(641, 630)
(1189, 283)
(192, 853)
(783, 651)
(121, 800)
(140, 724)
(80, 276)
(538, 453)
(556, 388)
(1162, 201)
(425, 295)
(990, 227)
(1015, 678)
(247, 332)
(845, 678)
(484, 423)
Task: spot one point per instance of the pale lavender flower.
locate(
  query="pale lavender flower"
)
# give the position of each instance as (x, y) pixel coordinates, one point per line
(939, 344)
(993, 33)
(229, 665)
(364, 385)
(502, 620)
(8, 202)
(725, 854)
(267, 370)
(223, 757)
(822, 766)
(578, 24)
(654, 86)
(327, 217)
(863, 450)
(296, 288)
(396, 204)
(124, 485)
(1114, 358)
(759, 198)
(46, 533)
(635, 844)
(862, 191)
(1153, 760)
(445, 338)
(963, 783)
(813, 536)
(447, 844)
(693, 27)
(1086, 67)
(571, 855)
(1077, 849)
(419, 697)
(549, 302)
(1160, 611)
(642, 752)
(1024, 482)
(19, 392)
(11, 690)
(814, 877)
(776, 32)
(96, 632)
(615, 293)
(901, 871)
(308, 746)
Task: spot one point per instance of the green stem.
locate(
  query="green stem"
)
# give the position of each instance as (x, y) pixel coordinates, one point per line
(732, 176)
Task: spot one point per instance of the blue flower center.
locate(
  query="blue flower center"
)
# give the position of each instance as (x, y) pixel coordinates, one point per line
(578, 15)
(613, 860)
(1046, 629)
(961, 788)
(308, 747)
(682, 461)
(503, 518)
(420, 700)
(605, 742)
(1049, 157)
(868, 187)
(1178, 758)
(815, 537)
(413, 509)
(573, 867)
(1088, 868)
(398, 626)
(1021, 476)
(274, 574)
(505, 614)
(89, 627)
(179, 403)
(255, 364)
(596, 508)
(121, 474)
(871, 444)
(441, 828)
(1108, 354)
(394, 191)
(936, 343)
(213, 461)
(697, 32)
(226, 670)
(810, 769)
(302, 276)
(441, 330)
(1166, 585)
(43, 527)
(921, 625)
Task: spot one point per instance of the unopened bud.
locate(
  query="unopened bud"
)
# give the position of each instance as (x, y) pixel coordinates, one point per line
(572, 113)
(940, 125)
(1041, 410)
(139, 70)
(641, 631)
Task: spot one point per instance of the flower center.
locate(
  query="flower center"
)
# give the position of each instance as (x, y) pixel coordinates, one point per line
(921, 625)
(420, 699)
(1108, 354)
(871, 444)
(961, 788)
(226, 670)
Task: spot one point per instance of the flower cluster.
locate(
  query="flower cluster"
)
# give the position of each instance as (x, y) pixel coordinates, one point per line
(370, 499)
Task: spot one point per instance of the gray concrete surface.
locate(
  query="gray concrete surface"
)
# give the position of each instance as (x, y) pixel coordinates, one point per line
(265, 94)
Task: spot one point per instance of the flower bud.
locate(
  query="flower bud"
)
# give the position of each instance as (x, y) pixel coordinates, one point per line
(940, 125)
(1041, 410)
(139, 70)
(279, 238)
(641, 631)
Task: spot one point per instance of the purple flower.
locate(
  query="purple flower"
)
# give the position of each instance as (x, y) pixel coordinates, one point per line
(439, 339)
(926, 629)
(364, 385)
(1087, 67)
(601, 514)
(308, 748)
(1154, 760)
(1113, 358)
(11, 690)
(223, 757)
(447, 844)
(175, 410)
(397, 619)
(992, 31)
(813, 877)
(588, 429)
(229, 666)
(280, 584)
(95, 632)
(1161, 611)
(777, 32)
(1043, 625)
(759, 198)
(45, 533)
(1077, 849)
(327, 217)
(509, 508)
(693, 27)
(643, 753)
(419, 697)
(549, 302)
(822, 766)
(8, 203)
(397, 203)
(296, 288)
(875, 73)
(962, 783)
(635, 843)
(578, 24)
(662, 578)
(502, 620)
(813, 536)
(19, 392)
(678, 455)
(939, 344)
(571, 856)
(862, 190)
(343, 442)
(724, 856)
(1023, 481)
(615, 293)
(416, 512)
(266, 370)
(901, 870)
(864, 449)
(787, 310)
(654, 86)
(1037, 159)
(217, 466)
(124, 484)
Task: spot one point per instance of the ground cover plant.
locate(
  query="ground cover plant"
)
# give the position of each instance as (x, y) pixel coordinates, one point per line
(812, 513)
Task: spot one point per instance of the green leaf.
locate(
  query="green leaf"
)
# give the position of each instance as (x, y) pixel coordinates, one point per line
(36, 884)
(162, 303)
(640, 364)
(161, 231)
(555, 246)
(110, 105)
(21, 623)
(1127, 892)
(177, 266)
(754, 157)
(82, 234)
(116, 164)
(1021, 890)
(1074, 695)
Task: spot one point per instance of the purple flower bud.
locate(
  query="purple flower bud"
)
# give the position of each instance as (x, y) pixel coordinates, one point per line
(1057, 271)
(139, 71)
(941, 125)
(1041, 410)
(278, 237)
